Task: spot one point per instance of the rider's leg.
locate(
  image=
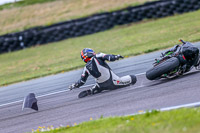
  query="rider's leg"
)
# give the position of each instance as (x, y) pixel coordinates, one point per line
(113, 83)
(123, 81)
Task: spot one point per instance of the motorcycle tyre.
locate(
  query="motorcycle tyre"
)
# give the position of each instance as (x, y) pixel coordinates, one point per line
(162, 68)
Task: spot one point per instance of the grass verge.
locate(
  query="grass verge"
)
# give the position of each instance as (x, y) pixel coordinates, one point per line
(29, 13)
(128, 40)
(185, 120)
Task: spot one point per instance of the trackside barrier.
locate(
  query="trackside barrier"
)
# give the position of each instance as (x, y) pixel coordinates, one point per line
(94, 23)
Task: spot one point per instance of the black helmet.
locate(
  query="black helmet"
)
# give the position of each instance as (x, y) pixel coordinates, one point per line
(87, 54)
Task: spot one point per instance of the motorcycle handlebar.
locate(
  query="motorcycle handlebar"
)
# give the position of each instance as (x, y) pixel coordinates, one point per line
(182, 41)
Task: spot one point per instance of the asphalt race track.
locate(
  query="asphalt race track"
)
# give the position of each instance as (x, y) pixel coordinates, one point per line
(59, 106)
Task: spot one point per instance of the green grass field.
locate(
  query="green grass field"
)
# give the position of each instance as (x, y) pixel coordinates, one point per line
(128, 40)
(175, 121)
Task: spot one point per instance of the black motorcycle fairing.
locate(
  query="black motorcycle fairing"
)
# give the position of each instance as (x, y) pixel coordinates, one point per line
(191, 54)
(182, 59)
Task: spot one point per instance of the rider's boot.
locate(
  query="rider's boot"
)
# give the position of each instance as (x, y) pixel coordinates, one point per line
(84, 93)
(94, 90)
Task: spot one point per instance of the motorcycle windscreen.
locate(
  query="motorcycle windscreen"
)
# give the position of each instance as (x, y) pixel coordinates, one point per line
(30, 102)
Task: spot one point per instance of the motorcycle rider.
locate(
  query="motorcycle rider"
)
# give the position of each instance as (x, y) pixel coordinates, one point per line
(99, 69)
(190, 52)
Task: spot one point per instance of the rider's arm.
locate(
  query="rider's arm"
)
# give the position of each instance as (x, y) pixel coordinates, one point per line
(109, 57)
(83, 78)
(81, 81)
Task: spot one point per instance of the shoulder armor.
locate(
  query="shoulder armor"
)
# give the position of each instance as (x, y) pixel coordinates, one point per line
(100, 55)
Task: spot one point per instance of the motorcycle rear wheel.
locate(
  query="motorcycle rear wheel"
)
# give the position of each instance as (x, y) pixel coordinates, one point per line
(162, 68)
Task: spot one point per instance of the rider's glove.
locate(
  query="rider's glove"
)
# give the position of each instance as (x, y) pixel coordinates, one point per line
(118, 56)
(73, 86)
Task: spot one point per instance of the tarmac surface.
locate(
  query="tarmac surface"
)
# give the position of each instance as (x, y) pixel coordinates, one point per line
(59, 106)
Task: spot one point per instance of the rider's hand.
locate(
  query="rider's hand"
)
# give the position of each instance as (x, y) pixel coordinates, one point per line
(73, 86)
(119, 56)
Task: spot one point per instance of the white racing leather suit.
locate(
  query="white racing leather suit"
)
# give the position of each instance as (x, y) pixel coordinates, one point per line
(105, 78)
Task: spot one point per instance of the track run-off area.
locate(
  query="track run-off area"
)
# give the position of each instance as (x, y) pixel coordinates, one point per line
(59, 106)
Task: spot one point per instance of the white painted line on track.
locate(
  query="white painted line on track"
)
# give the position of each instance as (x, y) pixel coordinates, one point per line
(140, 74)
(11, 103)
(181, 106)
(196, 104)
(52, 93)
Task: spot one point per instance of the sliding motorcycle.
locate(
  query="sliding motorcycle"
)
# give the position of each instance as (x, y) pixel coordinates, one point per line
(175, 62)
